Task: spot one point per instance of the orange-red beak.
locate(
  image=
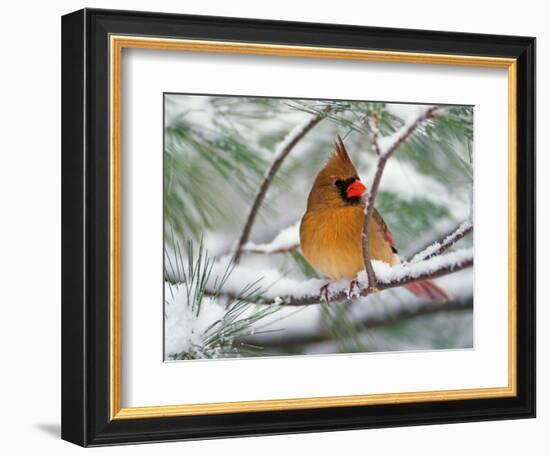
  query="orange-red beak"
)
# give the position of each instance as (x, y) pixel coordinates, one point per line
(355, 189)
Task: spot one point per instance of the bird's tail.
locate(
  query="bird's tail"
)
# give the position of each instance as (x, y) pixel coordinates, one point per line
(427, 289)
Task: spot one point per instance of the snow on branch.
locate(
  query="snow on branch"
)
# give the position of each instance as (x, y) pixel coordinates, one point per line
(385, 151)
(284, 148)
(436, 266)
(439, 247)
(281, 290)
(287, 240)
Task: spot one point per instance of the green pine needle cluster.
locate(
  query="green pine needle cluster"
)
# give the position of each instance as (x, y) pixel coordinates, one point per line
(239, 317)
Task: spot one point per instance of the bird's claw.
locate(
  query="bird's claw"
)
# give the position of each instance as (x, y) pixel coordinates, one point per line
(352, 292)
(324, 292)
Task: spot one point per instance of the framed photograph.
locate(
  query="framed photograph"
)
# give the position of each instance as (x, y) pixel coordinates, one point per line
(278, 227)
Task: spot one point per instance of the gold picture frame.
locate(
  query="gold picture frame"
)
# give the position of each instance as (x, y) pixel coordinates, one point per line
(117, 45)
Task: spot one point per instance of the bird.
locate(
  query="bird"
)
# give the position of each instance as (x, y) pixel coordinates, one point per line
(331, 230)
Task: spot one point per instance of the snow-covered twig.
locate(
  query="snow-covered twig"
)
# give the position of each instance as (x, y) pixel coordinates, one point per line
(440, 246)
(287, 240)
(396, 140)
(266, 249)
(289, 292)
(293, 137)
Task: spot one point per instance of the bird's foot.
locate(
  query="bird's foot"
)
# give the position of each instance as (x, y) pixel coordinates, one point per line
(324, 292)
(354, 289)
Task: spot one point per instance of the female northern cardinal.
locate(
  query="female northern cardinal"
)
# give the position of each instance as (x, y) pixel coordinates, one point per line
(331, 229)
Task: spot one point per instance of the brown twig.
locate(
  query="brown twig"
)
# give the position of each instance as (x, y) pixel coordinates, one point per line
(255, 249)
(287, 146)
(374, 125)
(438, 247)
(382, 159)
(372, 321)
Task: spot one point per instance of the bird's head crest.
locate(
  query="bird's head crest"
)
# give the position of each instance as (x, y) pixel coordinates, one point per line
(339, 164)
(341, 151)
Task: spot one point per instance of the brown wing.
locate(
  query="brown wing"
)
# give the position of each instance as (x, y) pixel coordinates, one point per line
(388, 236)
(381, 245)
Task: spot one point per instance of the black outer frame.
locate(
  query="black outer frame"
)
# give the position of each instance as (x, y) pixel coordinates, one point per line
(85, 227)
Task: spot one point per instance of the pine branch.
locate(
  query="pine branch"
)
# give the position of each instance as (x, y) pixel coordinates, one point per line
(259, 249)
(372, 321)
(440, 246)
(200, 327)
(284, 149)
(400, 137)
(390, 277)
(287, 240)
(343, 295)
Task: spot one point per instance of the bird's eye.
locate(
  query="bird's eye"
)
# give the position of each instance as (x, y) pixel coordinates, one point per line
(338, 183)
